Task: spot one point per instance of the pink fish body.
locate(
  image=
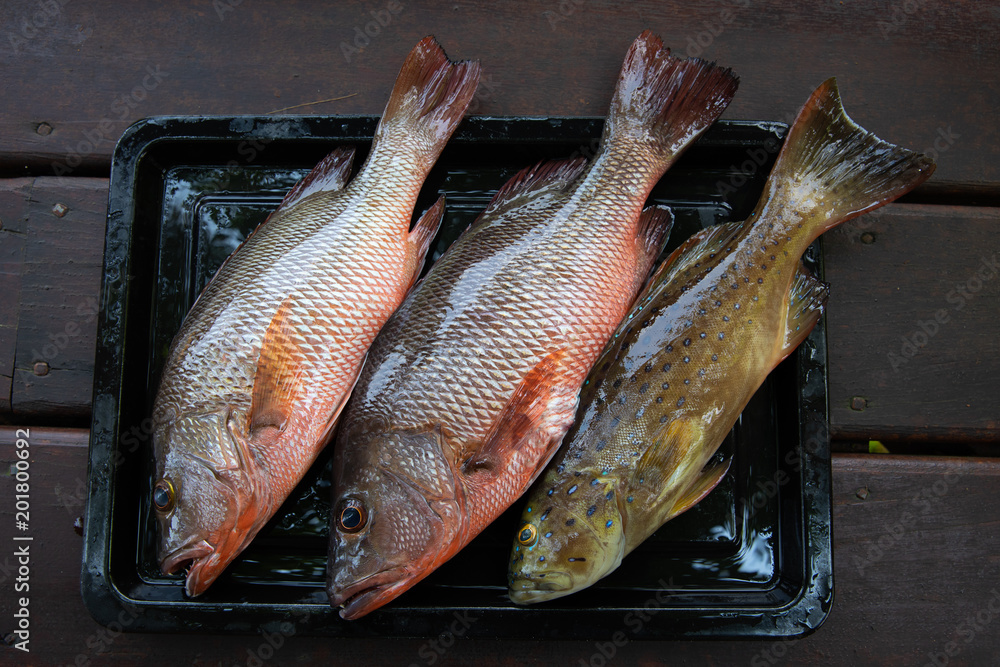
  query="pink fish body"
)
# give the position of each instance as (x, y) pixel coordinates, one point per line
(471, 385)
(269, 353)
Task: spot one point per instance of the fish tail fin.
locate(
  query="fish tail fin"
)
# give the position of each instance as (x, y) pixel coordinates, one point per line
(662, 103)
(831, 169)
(427, 103)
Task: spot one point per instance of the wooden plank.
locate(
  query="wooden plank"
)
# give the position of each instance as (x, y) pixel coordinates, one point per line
(14, 195)
(911, 321)
(914, 561)
(923, 74)
(915, 545)
(11, 266)
(59, 278)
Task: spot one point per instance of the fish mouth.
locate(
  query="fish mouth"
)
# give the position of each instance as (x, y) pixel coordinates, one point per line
(200, 560)
(189, 552)
(526, 589)
(371, 592)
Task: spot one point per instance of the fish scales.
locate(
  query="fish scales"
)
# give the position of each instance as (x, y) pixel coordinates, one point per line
(473, 382)
(688, 328)
(722, 311)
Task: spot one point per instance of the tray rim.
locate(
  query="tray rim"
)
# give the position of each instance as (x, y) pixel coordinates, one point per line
(104, 598)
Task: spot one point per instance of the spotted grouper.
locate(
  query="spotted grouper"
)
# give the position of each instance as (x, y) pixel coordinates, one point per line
(721, 312)
(473, 382)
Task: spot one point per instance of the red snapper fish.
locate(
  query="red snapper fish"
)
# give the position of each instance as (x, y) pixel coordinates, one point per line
(473, 382)
(724, 309)
(266, 358)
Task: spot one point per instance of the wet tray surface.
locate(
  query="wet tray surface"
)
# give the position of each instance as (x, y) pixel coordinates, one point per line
(753, 559)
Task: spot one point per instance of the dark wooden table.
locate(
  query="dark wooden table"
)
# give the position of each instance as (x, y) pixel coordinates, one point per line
(914, 354)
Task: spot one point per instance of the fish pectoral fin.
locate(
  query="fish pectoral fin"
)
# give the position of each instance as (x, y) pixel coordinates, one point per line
(279, 374)
(329, 175)
(806, 299)
(667, 450)
(677, 446)
(702, 486)
(655, 224)
(520, 418)
(420, 238)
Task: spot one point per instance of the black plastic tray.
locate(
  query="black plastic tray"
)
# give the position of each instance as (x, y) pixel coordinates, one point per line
(753, 559)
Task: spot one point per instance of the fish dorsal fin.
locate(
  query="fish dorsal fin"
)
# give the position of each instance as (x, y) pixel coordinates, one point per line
(703, 485)
(421, 236)
(279, 374)
(552, 175)
(330, 174)
(806, 299)
(699, 247)
(521, 415)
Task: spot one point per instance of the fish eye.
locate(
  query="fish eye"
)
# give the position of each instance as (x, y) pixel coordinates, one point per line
(352, 516)
(528, 535)
(163, 495)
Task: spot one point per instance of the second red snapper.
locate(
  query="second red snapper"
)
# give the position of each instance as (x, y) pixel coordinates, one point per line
(471, 385)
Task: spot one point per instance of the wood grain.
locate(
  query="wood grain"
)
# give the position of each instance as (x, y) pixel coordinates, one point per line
(53, 252)
(922, 74)
(913, 561)
(911, 324)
